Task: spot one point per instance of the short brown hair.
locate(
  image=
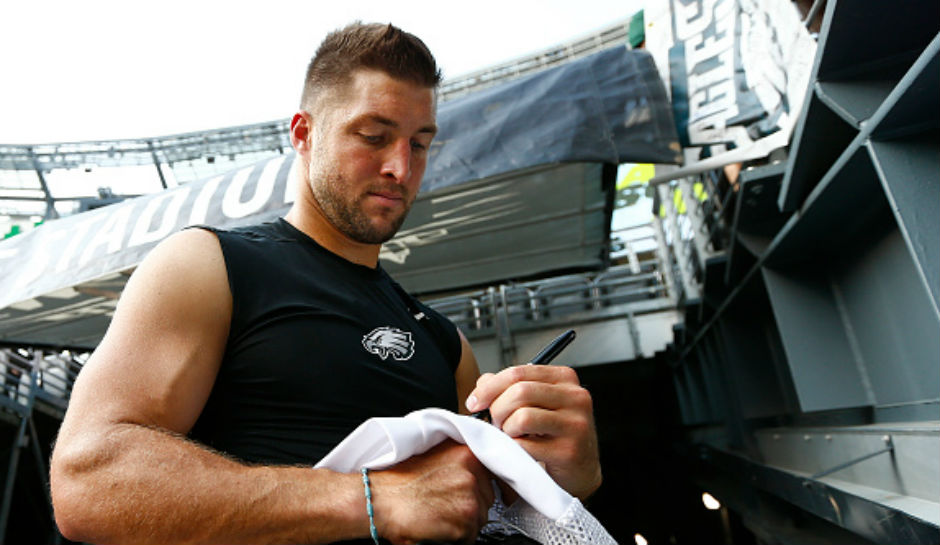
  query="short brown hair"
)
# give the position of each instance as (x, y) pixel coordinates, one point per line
(373, 46)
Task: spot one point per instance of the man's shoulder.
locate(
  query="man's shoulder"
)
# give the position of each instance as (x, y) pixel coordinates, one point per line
(184, 269)
(183, 251)
(186, 245)
(248, 243)
(270, 230)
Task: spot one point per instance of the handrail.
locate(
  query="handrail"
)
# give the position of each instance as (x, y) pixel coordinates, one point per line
(534, 302)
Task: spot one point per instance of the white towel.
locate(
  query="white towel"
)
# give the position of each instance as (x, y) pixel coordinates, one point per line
(545, 512)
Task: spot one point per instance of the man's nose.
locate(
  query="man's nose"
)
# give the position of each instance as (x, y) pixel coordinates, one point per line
(397, 162)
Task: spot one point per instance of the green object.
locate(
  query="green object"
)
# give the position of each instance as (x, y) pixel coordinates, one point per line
(14, 230)
(637, 30)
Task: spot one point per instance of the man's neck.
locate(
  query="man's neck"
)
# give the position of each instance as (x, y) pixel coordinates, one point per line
(310, 221)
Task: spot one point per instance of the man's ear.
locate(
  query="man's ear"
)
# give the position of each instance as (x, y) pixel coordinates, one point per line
(300, 128)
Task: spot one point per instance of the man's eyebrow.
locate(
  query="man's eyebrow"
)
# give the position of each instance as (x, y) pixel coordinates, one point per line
(428, 129)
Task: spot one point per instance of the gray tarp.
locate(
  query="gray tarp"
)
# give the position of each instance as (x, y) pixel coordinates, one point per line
(496, 202)
(610, 107)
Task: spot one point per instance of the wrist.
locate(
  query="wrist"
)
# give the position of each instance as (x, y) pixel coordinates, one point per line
(344, 505)
(590, 487)
(370, 510)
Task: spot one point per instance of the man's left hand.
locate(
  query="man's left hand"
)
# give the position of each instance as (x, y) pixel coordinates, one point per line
(547, 411)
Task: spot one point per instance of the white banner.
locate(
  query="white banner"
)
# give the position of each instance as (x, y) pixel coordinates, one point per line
(737, 70)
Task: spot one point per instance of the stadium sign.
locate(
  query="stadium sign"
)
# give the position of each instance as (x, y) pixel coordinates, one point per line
(738, 71)
(520, 182)
(116, 237)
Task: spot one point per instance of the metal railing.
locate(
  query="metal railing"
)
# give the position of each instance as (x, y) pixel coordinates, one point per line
(691, 228)
(31, 380)
(533, 304)
(27, 375)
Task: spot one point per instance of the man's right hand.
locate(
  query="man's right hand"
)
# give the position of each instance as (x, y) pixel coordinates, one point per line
(444, 494)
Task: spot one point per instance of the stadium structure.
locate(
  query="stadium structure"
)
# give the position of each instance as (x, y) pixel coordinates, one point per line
(764, 333)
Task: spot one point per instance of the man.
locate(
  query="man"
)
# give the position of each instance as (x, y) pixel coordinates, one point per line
(235, 360)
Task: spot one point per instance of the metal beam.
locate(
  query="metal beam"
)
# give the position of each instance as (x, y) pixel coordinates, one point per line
(156, 163)
(51, 212)
(857, 514)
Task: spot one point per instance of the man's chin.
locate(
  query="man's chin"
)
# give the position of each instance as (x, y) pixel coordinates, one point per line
(376, 235)
(372, 227)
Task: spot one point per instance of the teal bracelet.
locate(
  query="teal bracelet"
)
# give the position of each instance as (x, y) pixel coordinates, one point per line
(365, 482)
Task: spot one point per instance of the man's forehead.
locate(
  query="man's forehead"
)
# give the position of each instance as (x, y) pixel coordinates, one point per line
(373, 95)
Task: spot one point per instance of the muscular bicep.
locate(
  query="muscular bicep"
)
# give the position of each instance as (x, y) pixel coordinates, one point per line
(467, 373)
(158, 360)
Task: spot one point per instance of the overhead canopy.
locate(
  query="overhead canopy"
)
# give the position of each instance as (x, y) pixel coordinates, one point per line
(515, 188)
(517, 225)
(609, 107)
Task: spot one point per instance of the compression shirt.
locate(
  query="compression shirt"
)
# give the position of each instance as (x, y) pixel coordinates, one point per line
(317, 345)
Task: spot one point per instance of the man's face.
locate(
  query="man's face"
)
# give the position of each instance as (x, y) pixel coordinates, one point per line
(370, 143)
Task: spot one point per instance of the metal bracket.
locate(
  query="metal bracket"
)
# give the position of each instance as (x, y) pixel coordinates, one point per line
(888, 448)
(634, 335)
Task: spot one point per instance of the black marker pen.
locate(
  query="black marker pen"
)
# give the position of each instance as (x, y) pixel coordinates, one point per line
(542, 358)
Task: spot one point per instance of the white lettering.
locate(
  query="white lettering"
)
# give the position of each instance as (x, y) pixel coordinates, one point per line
(712, 46)
(290, 188)
(80, 231)
(694, 18)
(398, 249)
(710, 93)
(233, 207)
(201, 205)
(141, 233)
(714, 129)
(111, 234)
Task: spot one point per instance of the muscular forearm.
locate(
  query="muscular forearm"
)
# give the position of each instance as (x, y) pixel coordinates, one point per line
(128, 483)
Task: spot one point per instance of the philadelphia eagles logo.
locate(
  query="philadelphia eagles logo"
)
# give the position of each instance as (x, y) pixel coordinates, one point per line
(389, 341)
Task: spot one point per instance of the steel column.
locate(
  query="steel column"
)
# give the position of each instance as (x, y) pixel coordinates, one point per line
(51, 212)
(156, 163)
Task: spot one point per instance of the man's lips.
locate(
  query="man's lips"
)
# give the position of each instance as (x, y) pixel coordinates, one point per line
(388, 196)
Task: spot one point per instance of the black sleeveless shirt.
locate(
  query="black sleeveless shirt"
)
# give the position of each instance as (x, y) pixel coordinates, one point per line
(317, 345)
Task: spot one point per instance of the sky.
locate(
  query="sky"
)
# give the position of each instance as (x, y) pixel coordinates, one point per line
(95, 69)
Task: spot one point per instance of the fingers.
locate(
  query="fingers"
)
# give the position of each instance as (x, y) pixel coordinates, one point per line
(490, 386)
(572, 459)
(485, 497)
(531, 421)
(527, 407)
(520, 398)
(481, 485)
(547, 411)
